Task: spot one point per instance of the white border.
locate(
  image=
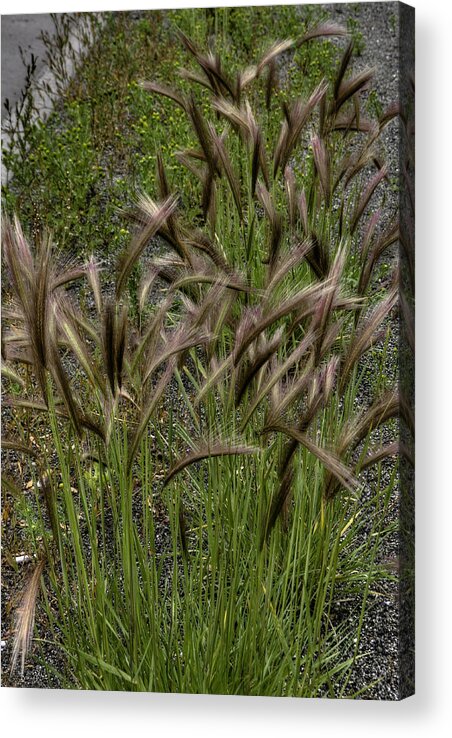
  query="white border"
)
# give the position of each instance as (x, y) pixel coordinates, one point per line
(48, 713)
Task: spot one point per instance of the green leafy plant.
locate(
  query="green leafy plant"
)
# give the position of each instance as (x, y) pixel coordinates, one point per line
(356, 35)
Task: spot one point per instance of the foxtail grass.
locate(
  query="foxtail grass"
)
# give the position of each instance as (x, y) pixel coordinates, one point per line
(204, 499)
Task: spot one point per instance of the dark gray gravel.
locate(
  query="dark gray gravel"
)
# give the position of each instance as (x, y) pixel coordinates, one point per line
(379, 646)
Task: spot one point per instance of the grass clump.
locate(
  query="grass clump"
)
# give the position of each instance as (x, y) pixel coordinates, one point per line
(199, 495)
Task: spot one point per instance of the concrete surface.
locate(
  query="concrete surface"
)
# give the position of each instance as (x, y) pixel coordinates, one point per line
(20, 31)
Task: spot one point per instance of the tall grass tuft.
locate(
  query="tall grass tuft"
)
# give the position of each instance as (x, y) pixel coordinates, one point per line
(207, 455)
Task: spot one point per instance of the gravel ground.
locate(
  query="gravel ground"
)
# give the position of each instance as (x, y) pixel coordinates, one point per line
(379, 648)
(378, 23)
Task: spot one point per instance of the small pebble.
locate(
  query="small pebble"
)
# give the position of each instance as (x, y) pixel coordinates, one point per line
(23, 559)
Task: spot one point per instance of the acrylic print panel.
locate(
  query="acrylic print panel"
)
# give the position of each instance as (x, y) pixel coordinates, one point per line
(207, 352)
